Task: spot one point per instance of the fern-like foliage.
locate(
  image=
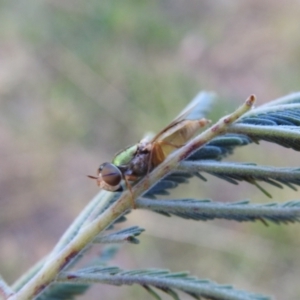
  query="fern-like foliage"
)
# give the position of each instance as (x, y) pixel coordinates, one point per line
(163, 280)
(277, 122)
(242, 211)
(249, 172)
(122, 236)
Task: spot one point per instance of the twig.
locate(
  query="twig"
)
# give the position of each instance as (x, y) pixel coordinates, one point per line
(5, 289)
(56, 263)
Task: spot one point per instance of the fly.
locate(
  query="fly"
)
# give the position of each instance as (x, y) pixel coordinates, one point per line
(140, 159)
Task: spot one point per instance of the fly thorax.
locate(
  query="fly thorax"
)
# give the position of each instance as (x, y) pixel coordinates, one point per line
(124, 157)
(140, 164)
(144, 147)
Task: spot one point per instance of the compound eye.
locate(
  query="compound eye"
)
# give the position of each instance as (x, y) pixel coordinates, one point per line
(101, 167)
(110, 174)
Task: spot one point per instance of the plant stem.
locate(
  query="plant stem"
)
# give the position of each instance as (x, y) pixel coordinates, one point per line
(57, 262)
(5, 289)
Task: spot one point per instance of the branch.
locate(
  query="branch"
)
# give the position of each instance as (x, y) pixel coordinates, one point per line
(60, 259)
(190, 149)
(100, 201)
(5, 289)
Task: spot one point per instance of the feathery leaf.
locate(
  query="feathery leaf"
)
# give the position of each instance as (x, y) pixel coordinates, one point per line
(285, 136)
(242, 211)
(122, 236)
(164, 280)
(249, 172)
(277, 121)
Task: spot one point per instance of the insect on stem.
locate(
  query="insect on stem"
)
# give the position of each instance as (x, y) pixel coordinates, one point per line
(140, 159)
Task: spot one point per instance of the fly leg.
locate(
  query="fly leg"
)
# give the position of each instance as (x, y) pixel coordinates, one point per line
(128, 185)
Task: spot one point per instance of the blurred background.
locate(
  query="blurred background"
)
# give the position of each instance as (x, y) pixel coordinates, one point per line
(82, 79)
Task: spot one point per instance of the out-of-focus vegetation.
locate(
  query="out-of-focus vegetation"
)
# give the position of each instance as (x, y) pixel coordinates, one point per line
(80, 80)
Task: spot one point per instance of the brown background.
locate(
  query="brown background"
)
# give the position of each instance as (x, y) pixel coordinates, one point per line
(80, 80)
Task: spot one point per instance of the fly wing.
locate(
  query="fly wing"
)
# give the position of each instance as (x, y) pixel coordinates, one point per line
(180, 132)
(174, 138)
(195, 110)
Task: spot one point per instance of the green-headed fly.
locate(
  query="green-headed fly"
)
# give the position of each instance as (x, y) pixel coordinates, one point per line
(140, 159)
